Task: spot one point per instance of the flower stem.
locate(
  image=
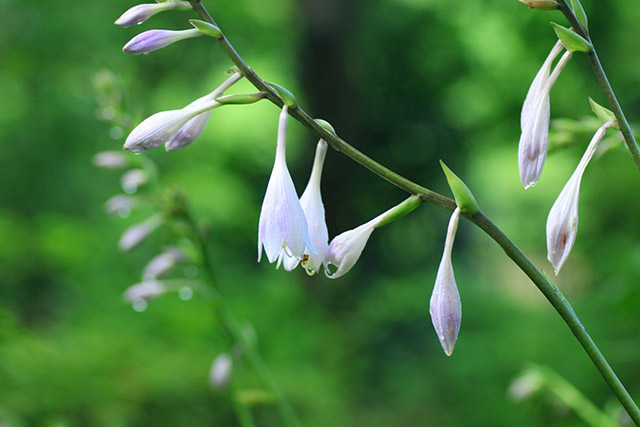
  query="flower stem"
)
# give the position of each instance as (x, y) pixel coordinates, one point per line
(548, 289)
(598, 71)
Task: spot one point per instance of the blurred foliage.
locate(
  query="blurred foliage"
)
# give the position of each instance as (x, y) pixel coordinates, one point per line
(406, 81)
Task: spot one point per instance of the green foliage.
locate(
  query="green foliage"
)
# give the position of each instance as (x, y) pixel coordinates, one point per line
(406, 81)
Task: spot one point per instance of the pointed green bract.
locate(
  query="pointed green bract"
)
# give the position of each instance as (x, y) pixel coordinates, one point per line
(578, 10)
(287, 97)
(326, 125)
(571, 40)
(605, 115)
(462, 194)
(206, 28)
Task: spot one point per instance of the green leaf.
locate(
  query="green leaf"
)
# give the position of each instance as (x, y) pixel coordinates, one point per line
(578, 10)
(571, 40)
(464, 198)
(605, 115)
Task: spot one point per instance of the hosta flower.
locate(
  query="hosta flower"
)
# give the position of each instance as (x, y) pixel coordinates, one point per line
(313, 208)
(144, 291)
(562, 223)
(161, 127)
(137, 233)
(534, 121)
(161, 264)
(445, 307)
(140, 13)
(153, 40)
(282, 227)
(194, 128)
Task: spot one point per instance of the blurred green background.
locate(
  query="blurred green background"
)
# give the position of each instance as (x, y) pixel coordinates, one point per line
(406, 81)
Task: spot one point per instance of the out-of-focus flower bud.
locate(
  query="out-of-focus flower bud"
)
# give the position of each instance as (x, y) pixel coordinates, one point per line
(153, 40)
(220, 373)
(541, 4)
(120, 204)
(161, 264)
(133, 179)
(137, 233)
(445, 307)
(140, 13)
(110, 160)
(144, 291)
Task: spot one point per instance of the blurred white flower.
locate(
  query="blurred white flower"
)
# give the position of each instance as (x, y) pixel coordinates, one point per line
(137, 233)
(562, 223)
(445, 306)
(313, 208)
(282, 227)
(110, 160)
(534, 120)
(220, 373)
(152, 40)
(140, 13)
(144, 291)
(161, 264)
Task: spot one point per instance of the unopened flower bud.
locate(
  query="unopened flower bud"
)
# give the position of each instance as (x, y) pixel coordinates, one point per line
(161, 264)
(220, 373)
(110, 160)
(144, 291)
(140, 13)
(137, 233)
(153, 40)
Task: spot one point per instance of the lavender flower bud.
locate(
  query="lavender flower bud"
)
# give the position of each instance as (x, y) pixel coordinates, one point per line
(144, 291)
(153, 40)
(140, 13)
(137, 233)
(163, 263)
(220, 373)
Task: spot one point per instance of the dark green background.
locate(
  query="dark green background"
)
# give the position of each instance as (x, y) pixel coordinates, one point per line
(406, 81)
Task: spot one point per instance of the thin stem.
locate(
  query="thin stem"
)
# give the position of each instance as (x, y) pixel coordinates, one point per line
(625, 128)
(560, 303)
(548, 289)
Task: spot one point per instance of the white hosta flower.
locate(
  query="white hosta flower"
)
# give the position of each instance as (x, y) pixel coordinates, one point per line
(445, 307)
(161, 127)
(534, 120)
(144, 291)
(194, 128)
(313, 208)
(161, 264)
(110, 160)
(282, 227)
(562, 223)
(137, 233)
(140, 13)
(220, 373)
(152, 40)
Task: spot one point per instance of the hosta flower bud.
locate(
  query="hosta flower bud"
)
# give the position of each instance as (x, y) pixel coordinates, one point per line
(161, 264)
(153, 40)
(144, 291)
(110, 160)
(282, 226)
(445, 307)
(220, 373)
(534, 140)
(562, 223)
(137, 233)
(140, 13)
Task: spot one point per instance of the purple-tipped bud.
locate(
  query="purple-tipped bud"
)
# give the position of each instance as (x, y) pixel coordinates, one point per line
(153, 40)
(445, 306)
(140, 13)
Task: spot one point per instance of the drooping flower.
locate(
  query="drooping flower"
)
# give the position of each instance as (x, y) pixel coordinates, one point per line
(313, 208)
(345, 249)
(282, 227)
(445, 307)
(152, 40)
(194, 128)
(562, 223)
(140, 13)
(161, 127)
(534, 120)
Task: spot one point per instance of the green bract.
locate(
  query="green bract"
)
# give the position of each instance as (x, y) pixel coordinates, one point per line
(287, 97)
(464, 198)
(206, 28)
(605, 115)
(249, 98)
(571, 40)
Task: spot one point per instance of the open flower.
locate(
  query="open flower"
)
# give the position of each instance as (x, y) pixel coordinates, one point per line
(282, 227)
(152, 40)
(313, 208)
(445, 307)
(140, 13)
(534, 120)
(562, 223)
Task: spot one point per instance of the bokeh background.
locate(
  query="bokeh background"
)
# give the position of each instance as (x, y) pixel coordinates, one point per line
(406, 81)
